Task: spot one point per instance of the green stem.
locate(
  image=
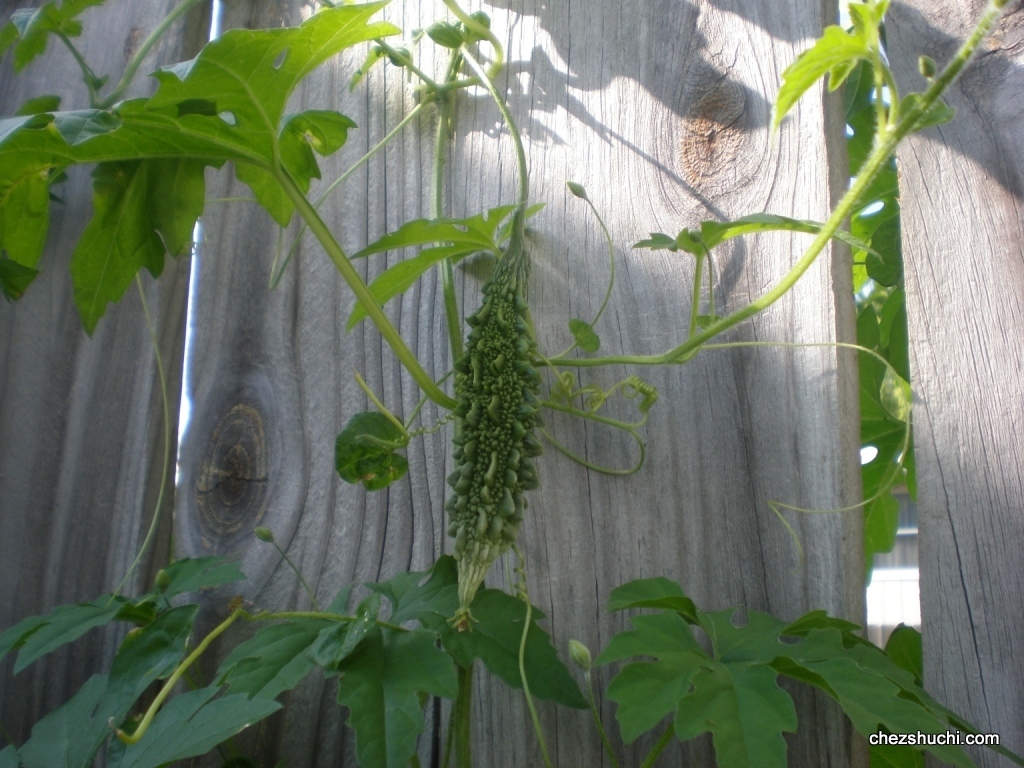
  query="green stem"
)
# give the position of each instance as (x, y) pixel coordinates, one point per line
(362, 291)
(462, 715)
(482, 31)
(592, 701)
(166, 470)
(133, 65)
(451, 302)
(408, 63)
(275, 277)
(698, 280)
(173, 680)
(380, 406)
(526, 685)
(88, 76)
(663, 742)
(279, 615)
(524, 178)
(302, 579)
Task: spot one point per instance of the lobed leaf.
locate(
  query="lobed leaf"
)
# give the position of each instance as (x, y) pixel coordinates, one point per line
(431, 598)
(70, 735)
(654, 593)
(381, 683)
(37, 636)
(15, 278)
(190, 725)
(29, 28)
(733, 691)
(835, 53)
(194, 574)
(337, 642)
(744, 709)
(273, 661)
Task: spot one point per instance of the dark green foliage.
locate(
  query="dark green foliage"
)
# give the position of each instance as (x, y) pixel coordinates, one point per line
(497, 388)
(732, 692)
(365, 451)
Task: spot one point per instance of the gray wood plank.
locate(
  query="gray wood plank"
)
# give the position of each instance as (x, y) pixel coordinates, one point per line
(81, 419)
(661, 111)
(962, 188)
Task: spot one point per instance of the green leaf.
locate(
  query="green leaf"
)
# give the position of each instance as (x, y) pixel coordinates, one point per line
(896, 757)
(15, 279)
(937, 114)
(117, 242)
(495, 638)
(715, 232)
(460, 238)
(189, 725)
(39, 104)
(584, 336)
(476, 233)
(654, 593)
(904, 648)
(746, 712)
(69, 736)
(834, 53)
(8, 756)
(321, 130)
(176, 197)
(37, 636)
(381, 683)
(206, 110)
(658, 241)
(194, 574)
(885, 263)
(336, 642)
(274, 660)
(148, 653)
(364, 451)
(32, 28)
(376, 54)
(881, 521)
(24, 223)
(431, 598)
(648, 691)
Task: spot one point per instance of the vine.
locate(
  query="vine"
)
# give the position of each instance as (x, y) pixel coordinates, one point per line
(435, 624)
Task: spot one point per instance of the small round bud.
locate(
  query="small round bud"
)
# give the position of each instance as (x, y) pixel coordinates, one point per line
(163, 580)
(580, 655)
(264, 534)
(927, 67)
(481, 18)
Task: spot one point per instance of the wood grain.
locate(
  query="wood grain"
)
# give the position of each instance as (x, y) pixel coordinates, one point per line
(81, 419)
(661, 111)
(962, 186)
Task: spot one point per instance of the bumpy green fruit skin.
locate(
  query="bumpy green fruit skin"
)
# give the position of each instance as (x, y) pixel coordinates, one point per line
(497, 387)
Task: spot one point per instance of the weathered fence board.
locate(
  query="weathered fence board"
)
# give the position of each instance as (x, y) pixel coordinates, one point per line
(962, 186)
(81, 420)
(661, 110)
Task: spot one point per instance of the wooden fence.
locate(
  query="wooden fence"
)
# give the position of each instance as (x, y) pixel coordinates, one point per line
(661, 110)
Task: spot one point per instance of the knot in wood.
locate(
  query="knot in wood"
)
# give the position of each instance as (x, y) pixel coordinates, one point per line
(231, 489)
(713, 137)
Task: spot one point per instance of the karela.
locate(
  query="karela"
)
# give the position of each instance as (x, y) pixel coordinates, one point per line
(496, 385)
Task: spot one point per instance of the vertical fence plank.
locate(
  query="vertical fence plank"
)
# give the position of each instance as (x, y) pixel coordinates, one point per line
(81, 419)
(962, 186)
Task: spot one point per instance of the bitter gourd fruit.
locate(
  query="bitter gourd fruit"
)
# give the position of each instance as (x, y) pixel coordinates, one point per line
(496, 385)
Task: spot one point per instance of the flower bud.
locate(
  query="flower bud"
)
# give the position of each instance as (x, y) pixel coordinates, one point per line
(927, 67)
(264, 534)
(580, 655)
